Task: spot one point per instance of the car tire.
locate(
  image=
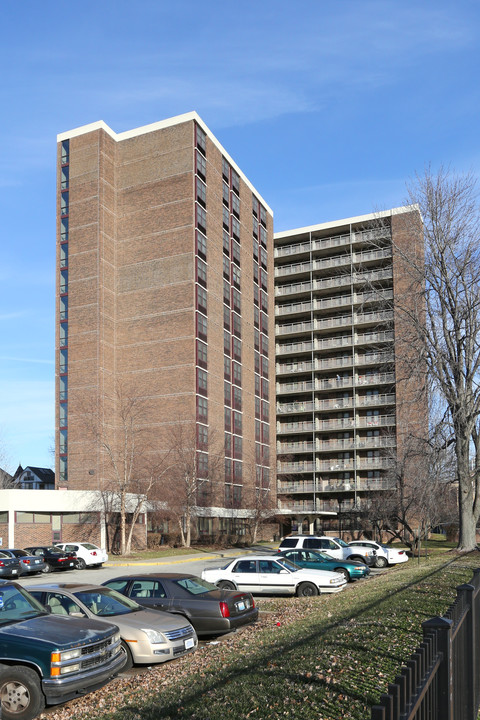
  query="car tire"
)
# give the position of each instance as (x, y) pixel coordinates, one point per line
(343, 572)
(20, 695)
(381, 562)
(81, 564)
(129, 664)
(226, 585)
(307, 589)
(47, 569)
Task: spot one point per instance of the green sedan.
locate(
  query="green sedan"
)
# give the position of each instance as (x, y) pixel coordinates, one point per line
(315, 560)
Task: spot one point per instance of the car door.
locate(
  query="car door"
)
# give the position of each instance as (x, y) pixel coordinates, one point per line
(274, 578)
(331, 548)
(245, 575)
(150, 594)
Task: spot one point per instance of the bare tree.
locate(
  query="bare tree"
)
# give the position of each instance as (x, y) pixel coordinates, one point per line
(191, 479)
(444, 321)
(258, 498)
(131, 464)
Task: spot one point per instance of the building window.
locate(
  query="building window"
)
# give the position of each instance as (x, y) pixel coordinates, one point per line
(256, 272)
(264, 323)
(264, 362)
(258, 426)
(64, 255)
(256, 316)
(202, 381)
(257, 407)
(236, 276)
(263, 238)
(264, 345)
(235, 205)
(225, 195)
(257, 385)
(264, 389)
(202, 409)
(63, 365)
(226, 368)
(201, 218)
(201, 354)
(63, 282)
(201, 299)
(228, 445)
(202, 465)
(228, 475)
(64, 230)
(255, 204)
(237, 349)
(226, 317)
(263, 216)
(227, 413)
(201, 272)
(227, 394)
(237, 447)
(201, 326)
(237, 374)
(226, 292)
(63, 418)
(63, 334)
(237, 325)
(226, 219)
(226, 242)
(256, 362)
(236, 300)
(226, 267)
(237, 398)
(263, 257)
(65, 152)
(200, 139)
(63, 387)
(235, 228)
(63, 305)
(256, 340)
(226, 342)
(63, 436)
(201, 166)
(235, 182)
(201, 245)
(202, 437)
(265, 411)
(64, 203)
(255, 230)
(237, 476)
(265, 434)
(237, 423)
(225, 171)
(201, 193)
(236, 252)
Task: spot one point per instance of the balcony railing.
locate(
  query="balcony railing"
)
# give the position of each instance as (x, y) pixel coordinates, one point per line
(332, 241)
(292, 308)
(294, 348)
(287, 448)
(296, 387)
(384, 399)
(289, 368)
(294, 427)
(295, 467)
(294, 407)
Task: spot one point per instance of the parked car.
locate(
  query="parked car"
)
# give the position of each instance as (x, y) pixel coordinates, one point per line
(335, 547)
(55, 559)
(148, 636)
(264, 575)
(46, 659)
(316, 560)
(29, 564)
(210, 610)
(87, 554)
(384, 554)
(9, 566)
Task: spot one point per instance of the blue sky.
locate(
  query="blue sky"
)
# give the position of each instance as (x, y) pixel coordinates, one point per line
(328, 106)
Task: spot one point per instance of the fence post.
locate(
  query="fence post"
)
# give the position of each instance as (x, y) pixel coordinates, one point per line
(465, 593)
(442, 628)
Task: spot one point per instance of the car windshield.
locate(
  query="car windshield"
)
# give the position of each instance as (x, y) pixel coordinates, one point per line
(16, 604)
(54, 550)
(195, 585)
(341, 542)
(288, 564)
(89, 546)
(312, 556)
(20, 553)
(106, 602)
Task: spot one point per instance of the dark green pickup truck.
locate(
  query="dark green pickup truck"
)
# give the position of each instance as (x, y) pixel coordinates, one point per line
(49, 659)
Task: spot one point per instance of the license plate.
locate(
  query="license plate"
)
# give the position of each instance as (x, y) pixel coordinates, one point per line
(37, 562)
(72, 564)
(14, 572)
(240, 605)
(189, 643)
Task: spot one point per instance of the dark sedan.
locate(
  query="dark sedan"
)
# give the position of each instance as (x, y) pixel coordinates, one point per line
(29, 564)
(211, 611)
(9, 567)
(316, 560)
(55, 559)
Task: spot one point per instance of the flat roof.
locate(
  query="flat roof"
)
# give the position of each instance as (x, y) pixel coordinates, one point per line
(346, 221)
(160, 125)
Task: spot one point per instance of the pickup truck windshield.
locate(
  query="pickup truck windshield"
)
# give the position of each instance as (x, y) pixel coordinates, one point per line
(16, 604)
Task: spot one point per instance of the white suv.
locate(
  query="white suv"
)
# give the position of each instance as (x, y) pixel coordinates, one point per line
(385, 555)
(335, 547)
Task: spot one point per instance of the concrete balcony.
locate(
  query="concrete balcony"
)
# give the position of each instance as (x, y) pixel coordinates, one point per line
(293, 289)
(375, 358)
(293, 328)
(288, 448)
(289, 468)
(380, 399)
(293, 308)
(294, 408)
(293, 368)
(334, 404)
(293, 348)
(296, 387)
(291, 428)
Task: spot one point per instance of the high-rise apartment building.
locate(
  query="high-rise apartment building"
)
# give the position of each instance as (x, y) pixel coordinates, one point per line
(165, 287)
(344, 402)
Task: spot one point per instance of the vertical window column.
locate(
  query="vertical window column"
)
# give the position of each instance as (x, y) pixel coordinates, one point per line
(63, 311)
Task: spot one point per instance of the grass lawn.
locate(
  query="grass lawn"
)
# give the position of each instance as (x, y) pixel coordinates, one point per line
(325, 657)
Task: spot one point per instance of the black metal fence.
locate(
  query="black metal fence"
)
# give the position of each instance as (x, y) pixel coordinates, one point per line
(441, 680)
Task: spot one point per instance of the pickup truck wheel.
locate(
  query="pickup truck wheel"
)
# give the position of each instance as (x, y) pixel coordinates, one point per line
(226, 585)
(129, 664)
(381, 562)
(20, 695)
(81, 564)
(307, 589)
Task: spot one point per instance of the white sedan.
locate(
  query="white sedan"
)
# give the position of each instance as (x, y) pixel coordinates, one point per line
(88, 555)
(259, 574)
(385, 555)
